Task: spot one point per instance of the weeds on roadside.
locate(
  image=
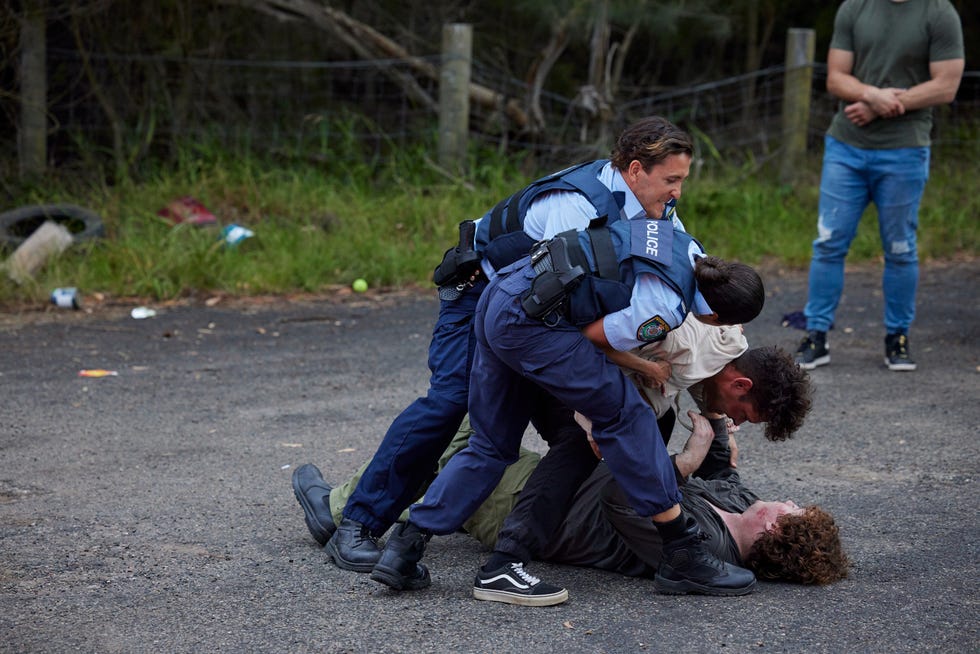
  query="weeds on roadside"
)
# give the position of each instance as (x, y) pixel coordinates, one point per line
(343, 214)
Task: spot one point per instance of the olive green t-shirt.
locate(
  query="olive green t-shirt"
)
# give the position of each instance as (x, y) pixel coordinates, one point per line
(893, 44)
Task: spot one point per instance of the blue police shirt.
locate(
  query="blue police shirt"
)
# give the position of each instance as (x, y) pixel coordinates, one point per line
(560, 211)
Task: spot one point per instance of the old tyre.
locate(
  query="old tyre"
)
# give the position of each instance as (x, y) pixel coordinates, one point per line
(16, 225)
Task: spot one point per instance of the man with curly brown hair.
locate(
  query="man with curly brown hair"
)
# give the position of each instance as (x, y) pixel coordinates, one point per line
(723, 375)
(774, 553)
(776, 540)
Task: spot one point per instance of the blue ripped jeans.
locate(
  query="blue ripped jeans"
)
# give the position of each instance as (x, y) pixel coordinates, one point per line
(851, 179)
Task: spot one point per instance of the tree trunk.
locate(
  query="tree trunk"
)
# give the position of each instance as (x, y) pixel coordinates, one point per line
(755, 46)
(594, 97)
(33, 134)
(542, 67)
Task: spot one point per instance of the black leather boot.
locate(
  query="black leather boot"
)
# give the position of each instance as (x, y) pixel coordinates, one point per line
(353, 548)
(313, 494)
(399, 566)
(688, 566)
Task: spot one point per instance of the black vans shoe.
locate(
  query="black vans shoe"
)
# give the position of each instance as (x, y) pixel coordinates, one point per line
(512, 584)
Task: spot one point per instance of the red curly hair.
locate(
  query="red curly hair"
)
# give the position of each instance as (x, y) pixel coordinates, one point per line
(803, 549)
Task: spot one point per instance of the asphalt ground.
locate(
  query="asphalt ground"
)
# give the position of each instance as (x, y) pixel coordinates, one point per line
(152, 510)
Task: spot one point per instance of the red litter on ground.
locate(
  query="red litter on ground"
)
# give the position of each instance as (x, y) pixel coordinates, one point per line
(187, 210)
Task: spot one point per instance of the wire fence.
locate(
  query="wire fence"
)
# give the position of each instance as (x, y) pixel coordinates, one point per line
(346, 109)
(743, 114)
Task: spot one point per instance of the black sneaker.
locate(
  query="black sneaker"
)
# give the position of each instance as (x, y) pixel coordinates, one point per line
(512, 584)
(897, 352)
(813, 351)
(313, 494)
(353, 548)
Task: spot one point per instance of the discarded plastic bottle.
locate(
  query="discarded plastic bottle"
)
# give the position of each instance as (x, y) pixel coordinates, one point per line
(139, 313)
(235, 234)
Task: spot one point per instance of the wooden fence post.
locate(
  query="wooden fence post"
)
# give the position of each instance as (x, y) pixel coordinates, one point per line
(797, 84)
(32, 133)
(454, 95)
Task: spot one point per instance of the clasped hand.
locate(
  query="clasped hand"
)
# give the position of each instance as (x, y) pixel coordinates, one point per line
(878, 103)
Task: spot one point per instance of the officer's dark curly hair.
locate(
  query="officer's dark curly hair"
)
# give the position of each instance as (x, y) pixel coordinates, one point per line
(781, 390)
(650, 140)
(734, 291)
(804, 549)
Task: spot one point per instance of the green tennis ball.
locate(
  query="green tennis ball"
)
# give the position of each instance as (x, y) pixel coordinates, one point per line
(359, 285)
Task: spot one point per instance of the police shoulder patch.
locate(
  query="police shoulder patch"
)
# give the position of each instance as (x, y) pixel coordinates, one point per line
(654, 329)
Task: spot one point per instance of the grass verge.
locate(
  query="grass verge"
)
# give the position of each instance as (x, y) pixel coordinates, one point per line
(316, 227)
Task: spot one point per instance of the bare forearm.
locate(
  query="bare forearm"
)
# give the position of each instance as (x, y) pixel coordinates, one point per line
(841, 82)
(696, 448)
(652, 373)
(941, 89)
(597, 335)
(848, 88)
(626, 360)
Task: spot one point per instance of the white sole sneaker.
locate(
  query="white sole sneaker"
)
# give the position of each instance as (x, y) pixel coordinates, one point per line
(902, 366)
(816, 363)
(549, 599)
(512, 584)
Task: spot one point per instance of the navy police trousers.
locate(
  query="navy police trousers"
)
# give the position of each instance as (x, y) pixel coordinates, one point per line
(515, 355)
(410, 450)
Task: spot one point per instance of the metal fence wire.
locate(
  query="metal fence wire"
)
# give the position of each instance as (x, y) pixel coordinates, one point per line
(338, 109)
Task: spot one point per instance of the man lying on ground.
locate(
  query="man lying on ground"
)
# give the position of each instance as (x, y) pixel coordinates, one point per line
(776, 540)
(711, 362)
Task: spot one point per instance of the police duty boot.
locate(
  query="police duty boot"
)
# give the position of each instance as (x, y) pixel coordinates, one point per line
(399, 566)
(687, 567)
(897, 356)
(313, 494)
(353, 548)
(813, 351)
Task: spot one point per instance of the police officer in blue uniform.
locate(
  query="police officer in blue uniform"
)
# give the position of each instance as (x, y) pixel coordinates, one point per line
(562, 320)
(623, 188)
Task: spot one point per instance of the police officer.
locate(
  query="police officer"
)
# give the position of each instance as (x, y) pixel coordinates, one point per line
(643, 179)
(562, 320)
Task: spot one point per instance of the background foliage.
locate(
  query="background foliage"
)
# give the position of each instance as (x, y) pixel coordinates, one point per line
(129, 82)
(294, 118)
